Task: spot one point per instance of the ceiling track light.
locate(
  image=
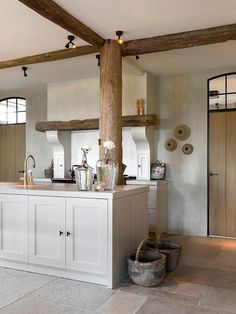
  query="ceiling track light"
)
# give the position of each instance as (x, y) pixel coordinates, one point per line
(70, 43)
(24, 69)
(119, 34)
(98, 58)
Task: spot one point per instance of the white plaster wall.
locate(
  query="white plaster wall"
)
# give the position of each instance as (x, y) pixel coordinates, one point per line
(183, 99)
(36, 143)
(80, 99)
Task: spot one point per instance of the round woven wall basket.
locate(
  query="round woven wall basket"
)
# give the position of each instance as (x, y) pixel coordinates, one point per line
(187, 149)
(171, 144)
(182, 132)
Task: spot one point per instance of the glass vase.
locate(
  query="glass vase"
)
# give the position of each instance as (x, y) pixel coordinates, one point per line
(107, 171)
(84, 176)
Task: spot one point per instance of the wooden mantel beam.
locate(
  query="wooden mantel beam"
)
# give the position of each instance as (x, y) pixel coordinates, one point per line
(93, 124)
(56, 14)
(188, 39)
(49, 56)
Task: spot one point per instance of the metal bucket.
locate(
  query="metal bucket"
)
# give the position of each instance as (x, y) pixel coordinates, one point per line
(172, 251)
(147, 268)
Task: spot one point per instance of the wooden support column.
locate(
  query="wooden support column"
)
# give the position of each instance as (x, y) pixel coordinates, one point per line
(110, 122)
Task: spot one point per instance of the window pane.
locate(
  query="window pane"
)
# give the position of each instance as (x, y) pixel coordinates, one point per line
(11, 106)
(11, 118)
(231, 83)
(21, 107)
(217, 85)
(231, 101)
(21, 101)
(21, 117)
(3, 107)
(3, 118)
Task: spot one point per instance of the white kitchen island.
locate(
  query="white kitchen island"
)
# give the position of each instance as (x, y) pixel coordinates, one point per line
(56, 230)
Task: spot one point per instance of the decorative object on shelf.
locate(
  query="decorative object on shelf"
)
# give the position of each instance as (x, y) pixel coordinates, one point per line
(140, 106)
(48, 173)
(187, 149)
(158, 170)
(182, 132)
(107, 169)
(171, 144)
(84, 174)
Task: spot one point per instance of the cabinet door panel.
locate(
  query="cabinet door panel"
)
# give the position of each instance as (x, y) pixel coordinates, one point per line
(46, 220)
(86, 245)
(14, 227)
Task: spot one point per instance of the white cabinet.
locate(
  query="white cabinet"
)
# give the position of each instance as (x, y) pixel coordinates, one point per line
(86, 243)
(157, 204)
(14, 227)
(69, 233)
(47, 231)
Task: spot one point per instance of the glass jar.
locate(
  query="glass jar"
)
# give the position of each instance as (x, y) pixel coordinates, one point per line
(84, 175)
(107, 171)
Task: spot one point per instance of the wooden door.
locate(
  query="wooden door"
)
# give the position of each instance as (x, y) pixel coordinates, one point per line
(222, 174)
(14, 227)
(231, 173)
(12, 151)
(86, 243)
(47, 230)
(217, 156)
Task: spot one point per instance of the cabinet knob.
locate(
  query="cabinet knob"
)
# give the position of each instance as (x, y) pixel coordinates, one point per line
(61, 233)
(68, 234)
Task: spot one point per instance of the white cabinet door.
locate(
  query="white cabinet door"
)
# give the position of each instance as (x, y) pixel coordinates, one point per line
(14, 227)
(47, 230)
(86, 243)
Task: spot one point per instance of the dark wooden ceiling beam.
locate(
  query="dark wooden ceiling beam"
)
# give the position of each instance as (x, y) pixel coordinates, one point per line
(56, 14)
(188, 39)
(49, 56)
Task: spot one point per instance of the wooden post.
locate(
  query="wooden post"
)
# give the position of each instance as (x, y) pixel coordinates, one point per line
(110, 122)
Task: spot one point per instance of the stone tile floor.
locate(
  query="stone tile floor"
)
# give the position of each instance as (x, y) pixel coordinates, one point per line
(205, 282)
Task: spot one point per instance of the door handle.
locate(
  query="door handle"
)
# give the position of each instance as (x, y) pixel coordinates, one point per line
(61, 233)
(213, 174)
(68, 234)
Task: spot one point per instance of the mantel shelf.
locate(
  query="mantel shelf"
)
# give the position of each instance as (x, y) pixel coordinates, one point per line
(93, 124)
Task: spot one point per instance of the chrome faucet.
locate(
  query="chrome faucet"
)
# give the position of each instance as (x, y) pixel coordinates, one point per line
(26, 170)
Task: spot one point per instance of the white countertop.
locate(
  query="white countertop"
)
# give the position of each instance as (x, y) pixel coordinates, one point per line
(67, 190)
(146, 182)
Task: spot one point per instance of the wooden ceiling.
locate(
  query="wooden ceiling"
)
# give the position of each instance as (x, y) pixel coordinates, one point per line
(56, 14)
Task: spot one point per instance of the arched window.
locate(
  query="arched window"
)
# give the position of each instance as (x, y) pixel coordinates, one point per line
(13, 110)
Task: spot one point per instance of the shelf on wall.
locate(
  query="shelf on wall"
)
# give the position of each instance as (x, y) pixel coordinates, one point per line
(93, 124)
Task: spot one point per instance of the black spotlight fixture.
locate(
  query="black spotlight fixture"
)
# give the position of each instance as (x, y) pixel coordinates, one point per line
(24, 69)
(119, 39)
(70, 43)
(137, 57)
(98, 58)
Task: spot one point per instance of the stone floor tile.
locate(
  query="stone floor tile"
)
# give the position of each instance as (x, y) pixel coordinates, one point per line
(36, 305)
(219, 299)
(185, 288)
(122, 302)
(16, 284)
(75, 293)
